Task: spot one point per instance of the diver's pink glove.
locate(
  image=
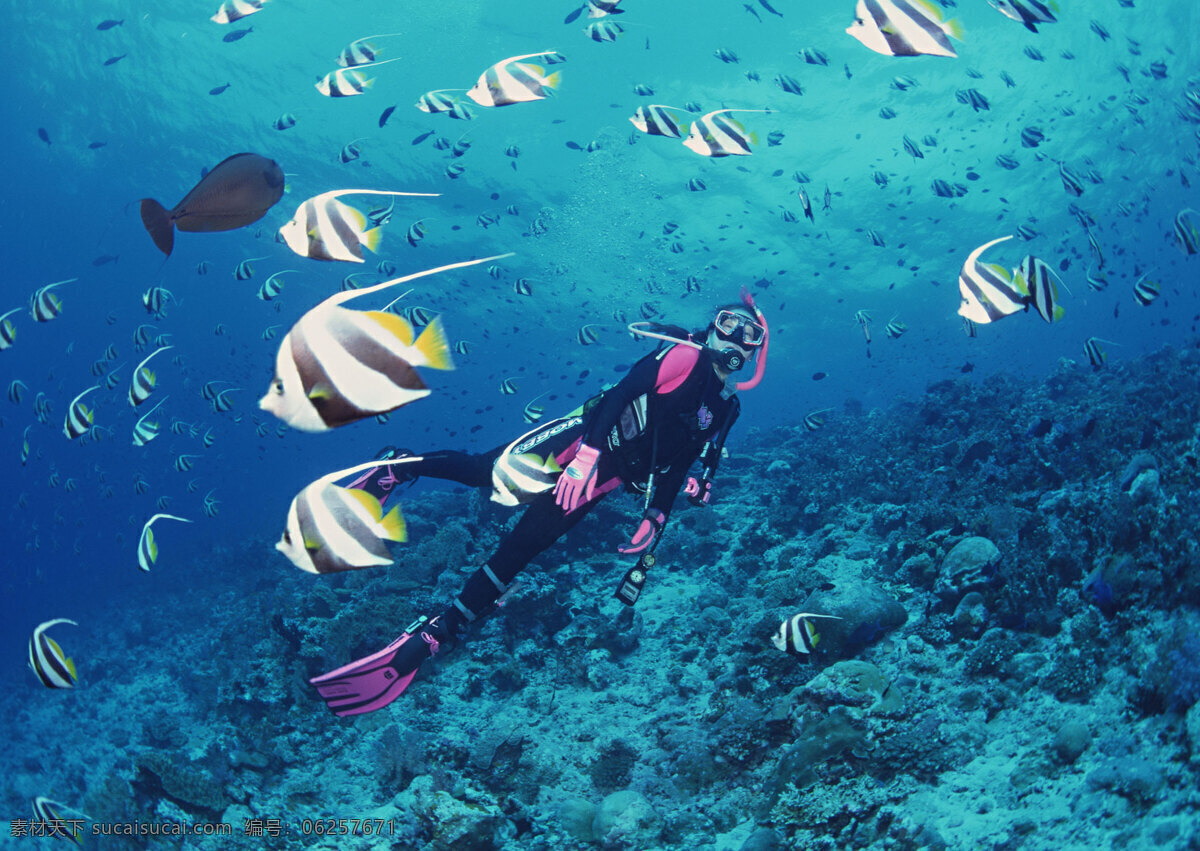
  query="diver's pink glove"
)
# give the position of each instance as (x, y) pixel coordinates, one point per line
(647, 531)
(577, 484)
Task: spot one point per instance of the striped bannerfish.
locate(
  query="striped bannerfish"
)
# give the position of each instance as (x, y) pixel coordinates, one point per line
(518, 477)
(337, 365)
(813, 419)
(15, 388)
(332, 529)
(78, 419)
(600, 8)
(147, 551)
(1070, 180)
(155, 301)
(508, 387)
(987, 289)
(51, 822)
(603, 31)
(1097, 280)
(511, 81)
(347, 82)
(144, 432)
(863, 318)
(416, 232)
(144, 380)
(272, 286)
(244, 271)
(895, 328)
(1095, 352)
(655, 119)
(350, 151)
(462, 347)
(235, 10)
(533, 412)
(1038, 281)
(184, 462)
(283, 122)
(1094, 245)
(361, 51)
(1187, 236)
(8, 331)
(797, 635)
(1145, 291)
(380, 216)
(437, 101)
(221, 403)
(714, 135)
(141, 336)
(47, 659)
(521, 286)
(324, 228)
(587, 334)
(903, 28)
(210, 504)
(45, 305)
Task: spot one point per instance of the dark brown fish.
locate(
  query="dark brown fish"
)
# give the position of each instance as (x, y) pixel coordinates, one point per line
(237, 192)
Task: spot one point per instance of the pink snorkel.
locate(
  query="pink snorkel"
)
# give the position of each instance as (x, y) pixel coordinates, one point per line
(760, 365)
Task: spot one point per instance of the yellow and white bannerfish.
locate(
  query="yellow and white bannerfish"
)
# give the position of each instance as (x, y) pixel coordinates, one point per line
(798, 635)
(717, 135)
(348, 82)
(144, 380)
(361, 51)
(324, 228)
(987, 289)
(331, 529)
(79, 419)
(656, 119)
(336, 365)
(512, 81)
(904, 28)
(235, 10)
(47, 659)
(45, 305)
(8, 331)
(147, 553)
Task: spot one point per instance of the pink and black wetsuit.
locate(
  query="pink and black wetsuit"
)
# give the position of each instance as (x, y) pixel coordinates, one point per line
(668, 412)
(665, 414)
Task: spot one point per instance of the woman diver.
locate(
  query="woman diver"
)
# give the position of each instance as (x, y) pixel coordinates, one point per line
(674, 407)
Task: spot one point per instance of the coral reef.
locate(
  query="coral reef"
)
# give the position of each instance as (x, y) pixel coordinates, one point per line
(1017, 664)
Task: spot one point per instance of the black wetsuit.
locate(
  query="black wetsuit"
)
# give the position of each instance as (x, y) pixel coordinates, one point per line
(664, 415)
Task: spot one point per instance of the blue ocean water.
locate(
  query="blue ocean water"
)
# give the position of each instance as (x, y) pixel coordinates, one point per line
(591, 199)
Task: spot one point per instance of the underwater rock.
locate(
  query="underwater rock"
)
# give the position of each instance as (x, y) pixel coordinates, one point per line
(969, 566)
(853, 682)
(577, 816)
(1145, 488)
(626, 820)
(1191, 724)
(866, 613)
(455, 824)
(185, 783)
(1131, 777)
(1141, 463)
(763, 839)
(1071, 740)
(971, 614)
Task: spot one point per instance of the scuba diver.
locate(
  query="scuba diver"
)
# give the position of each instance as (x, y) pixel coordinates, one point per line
(674, 407)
